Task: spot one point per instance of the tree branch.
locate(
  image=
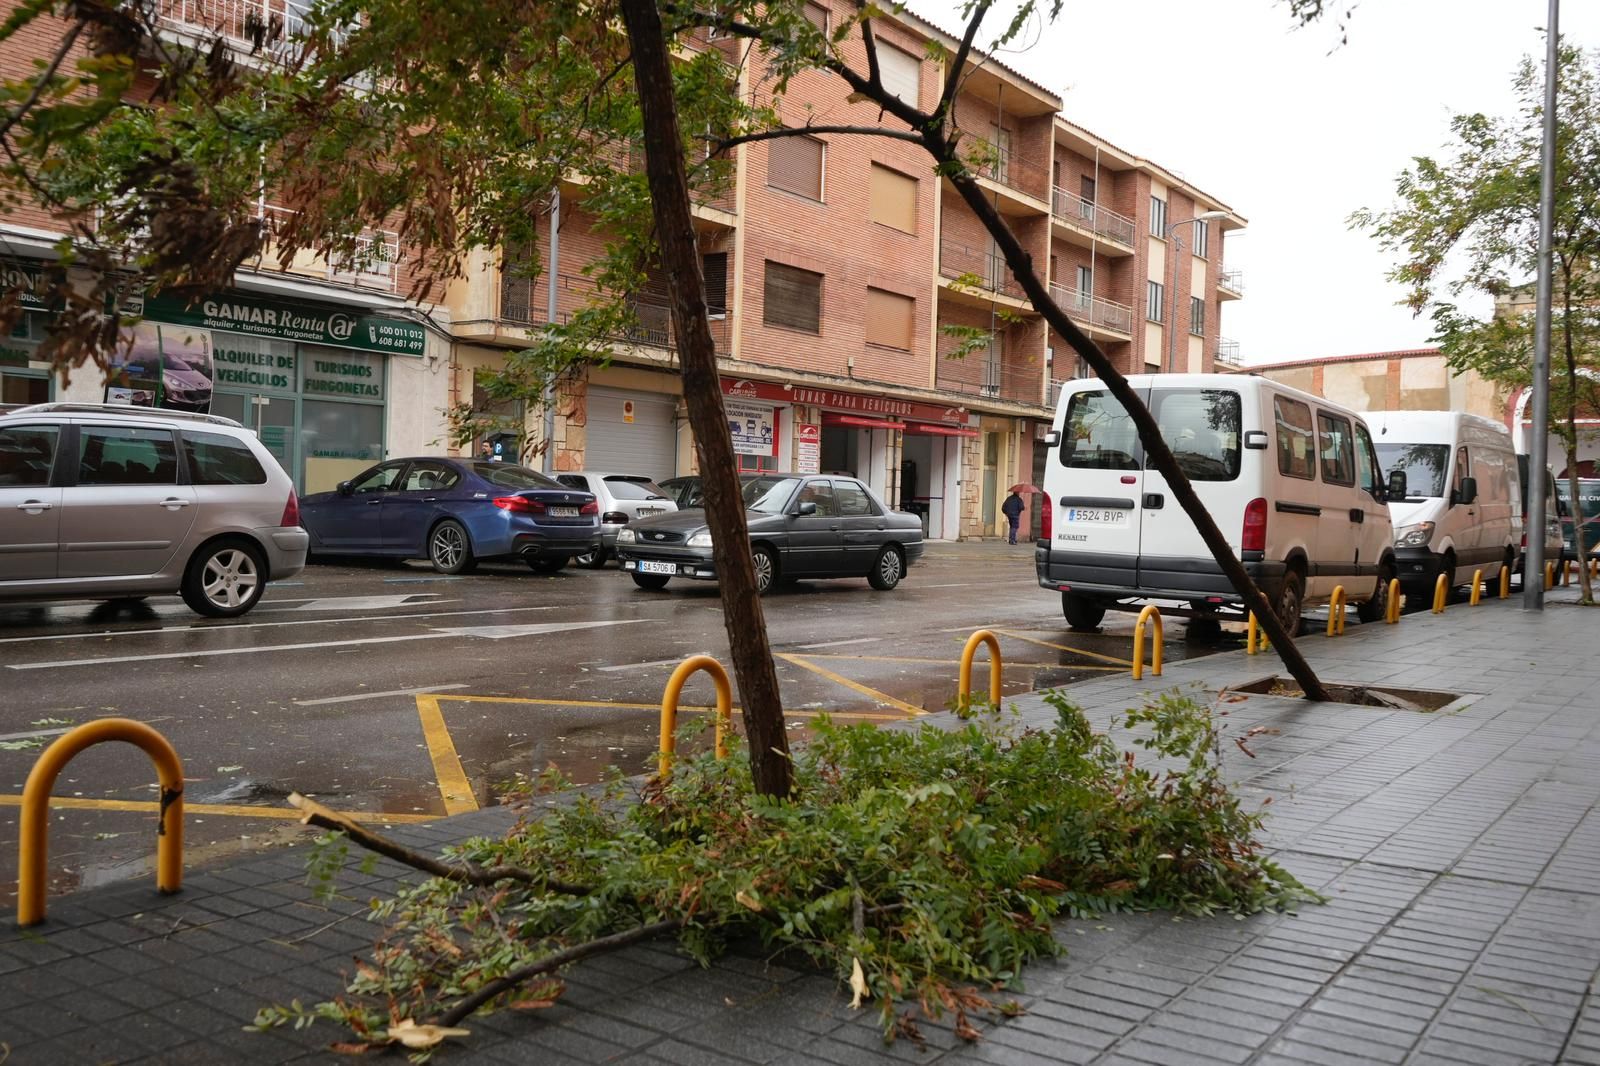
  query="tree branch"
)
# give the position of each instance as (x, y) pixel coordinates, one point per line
(952, 82)
(802, 131)
(45, 77)
(467, 873)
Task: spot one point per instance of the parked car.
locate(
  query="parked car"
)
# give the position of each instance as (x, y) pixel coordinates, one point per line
(1290, 478)
(683, 491)
(1454, 496)
(622, 498)
(454, 513)
(115, 502)
(801, 526)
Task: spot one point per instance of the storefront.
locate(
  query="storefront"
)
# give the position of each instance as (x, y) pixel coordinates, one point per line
(24, 379)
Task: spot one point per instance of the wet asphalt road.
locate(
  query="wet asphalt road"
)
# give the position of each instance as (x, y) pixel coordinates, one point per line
(402, 694)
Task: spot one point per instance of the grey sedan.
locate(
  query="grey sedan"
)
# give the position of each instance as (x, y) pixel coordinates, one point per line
(801, 526)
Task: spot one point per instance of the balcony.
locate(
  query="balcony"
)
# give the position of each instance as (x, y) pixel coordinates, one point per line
(524, 302)
(979, 278)
(242, 23)
(1230, 284)
(989, 374)
(1021, 187)
(1097, 317)
(1227, 355)
(710, 195)
(1086, 223)
(374, 261)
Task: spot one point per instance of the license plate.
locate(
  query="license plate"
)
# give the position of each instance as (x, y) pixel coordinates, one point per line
(1097, 516)
(563, 512)
(651, 566)
(646, 512)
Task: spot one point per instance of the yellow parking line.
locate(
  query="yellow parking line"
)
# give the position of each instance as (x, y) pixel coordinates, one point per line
(1063, 647)
(218, 809)
(454, 788)
(624, 705)
(881, 697)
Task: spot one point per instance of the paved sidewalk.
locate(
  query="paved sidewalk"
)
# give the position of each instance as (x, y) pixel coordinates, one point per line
(1460, 852)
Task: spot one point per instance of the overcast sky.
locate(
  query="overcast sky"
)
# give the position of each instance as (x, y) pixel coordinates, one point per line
(1290, 129)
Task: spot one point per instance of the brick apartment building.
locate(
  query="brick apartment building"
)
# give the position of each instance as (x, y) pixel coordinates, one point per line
(833, 260)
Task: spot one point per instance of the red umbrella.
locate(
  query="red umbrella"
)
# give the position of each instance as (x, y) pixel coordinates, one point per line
(1023, 486)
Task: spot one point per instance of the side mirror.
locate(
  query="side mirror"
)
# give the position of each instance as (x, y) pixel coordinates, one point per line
(1052, 438)
(1397, 484)
(806, 507)
(345, 488)
(1469, 489)
(1255, 439)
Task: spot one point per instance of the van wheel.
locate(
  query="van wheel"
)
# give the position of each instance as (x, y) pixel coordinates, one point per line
(224, 579)
(1081, 612)
(1291, 600)
(1377, 605)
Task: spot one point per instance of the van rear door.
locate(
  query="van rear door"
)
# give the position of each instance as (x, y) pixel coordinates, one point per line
(1095, 491)
(1202, 426)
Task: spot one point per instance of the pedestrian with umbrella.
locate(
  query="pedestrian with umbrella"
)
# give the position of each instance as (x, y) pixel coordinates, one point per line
(1012, 509)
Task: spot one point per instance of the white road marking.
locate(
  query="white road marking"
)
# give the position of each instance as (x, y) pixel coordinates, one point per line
(953, 585)
(639, 666)
(375, 695)
(34, 733)
(502, 632)
(372, 603)
(839, 643)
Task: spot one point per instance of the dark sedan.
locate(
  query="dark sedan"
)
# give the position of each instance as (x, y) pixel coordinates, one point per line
(453, 512)
(801, 526)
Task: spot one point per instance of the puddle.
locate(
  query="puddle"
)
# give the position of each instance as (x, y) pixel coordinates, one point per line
(1424, 701)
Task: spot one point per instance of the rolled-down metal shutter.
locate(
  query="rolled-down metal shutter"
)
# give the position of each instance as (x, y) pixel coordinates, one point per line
(646, 445)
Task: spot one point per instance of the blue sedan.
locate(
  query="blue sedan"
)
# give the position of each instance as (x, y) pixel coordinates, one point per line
(453, 512)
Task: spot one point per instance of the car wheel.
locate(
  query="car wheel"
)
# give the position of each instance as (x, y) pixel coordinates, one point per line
(592, 560)
(1081, 612)
(548, 564)
(1377, 605)
(887, 569)
(224, 579)
(449, 549)
(1291, 601)
(654, 582)
(766, 565)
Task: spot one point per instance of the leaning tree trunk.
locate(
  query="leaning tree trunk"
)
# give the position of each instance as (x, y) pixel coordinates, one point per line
(741, 606)
(1021, 265)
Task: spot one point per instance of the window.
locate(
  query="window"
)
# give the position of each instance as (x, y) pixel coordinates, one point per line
(792, 298)
(1197, 315)
(817, 15)
(217, 459)
(1000, 148)
(794, 164)
(26, 454)
(1463, 470)
(1154, 301)
(519, 269)
(1368, 472)
(623, 487)
(891, 319)
(1201, 426)
(430, 477)
(714, 268)
(1336, 445)
(1424, 465)
(126, 455)
(383, 479)
(1158, 217)
(1293, 423)
(1085, 281)
(901, 73)
(1099, 434)
(574, 481)
(1202, 238)
(1086, 188)
(512, 476)
(893, 199)
(853, 500)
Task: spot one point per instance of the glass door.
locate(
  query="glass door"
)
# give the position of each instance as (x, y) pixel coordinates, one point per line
(273, 419)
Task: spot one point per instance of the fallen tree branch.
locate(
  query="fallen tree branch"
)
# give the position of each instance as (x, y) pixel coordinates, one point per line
(468, 873)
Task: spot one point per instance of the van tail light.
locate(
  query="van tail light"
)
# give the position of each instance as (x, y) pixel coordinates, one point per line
(519, 504)
(1254, 538)
(613, 517)
(592, 507)
(291, 511)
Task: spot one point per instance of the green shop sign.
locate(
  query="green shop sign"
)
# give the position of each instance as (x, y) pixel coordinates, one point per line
(259, 316)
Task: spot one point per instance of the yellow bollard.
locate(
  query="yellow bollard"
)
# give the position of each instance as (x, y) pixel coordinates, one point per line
(1150, 614)
(1477, 587)
(669, 708)
(32, 847)
(1392, 614)
(964, 692)
(1336, 611)
(1549, 575)
(1255, 640)
(1441, 592)
(1505, 582)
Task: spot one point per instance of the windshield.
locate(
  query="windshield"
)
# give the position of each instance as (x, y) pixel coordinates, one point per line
(769, 495)
(633, 488)
(510, 476)
(1425, 466)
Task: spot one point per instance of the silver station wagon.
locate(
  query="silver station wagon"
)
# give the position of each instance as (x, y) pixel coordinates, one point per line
(112, 502)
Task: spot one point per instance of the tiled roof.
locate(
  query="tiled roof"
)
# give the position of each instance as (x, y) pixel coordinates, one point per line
(1324, 360)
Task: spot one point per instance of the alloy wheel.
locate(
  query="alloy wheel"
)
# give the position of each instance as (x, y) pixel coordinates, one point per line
(230, 578)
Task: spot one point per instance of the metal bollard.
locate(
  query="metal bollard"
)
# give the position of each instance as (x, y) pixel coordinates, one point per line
(1150, 614)
(1505, 582)
(669, 708)
(1477, 587)
(1549, 575)
(1441, 592)
(1391, 614)
(964, 686)
(32, 847)
(1336, 611)
(1255, 640)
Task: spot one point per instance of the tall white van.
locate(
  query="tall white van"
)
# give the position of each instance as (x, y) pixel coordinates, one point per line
(1292, 481)
(1454, 494)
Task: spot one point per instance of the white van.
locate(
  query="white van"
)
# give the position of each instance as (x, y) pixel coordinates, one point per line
(1292, 480)
(1454, 494)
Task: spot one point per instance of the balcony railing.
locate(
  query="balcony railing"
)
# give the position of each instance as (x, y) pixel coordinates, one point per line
(1103, 221)
(999, 164)
(957, 261)
(525, 301)
(990, 374)
(242, 22)
(373, 263)
(1232, 280)
(1092, 309)
(1227, 353)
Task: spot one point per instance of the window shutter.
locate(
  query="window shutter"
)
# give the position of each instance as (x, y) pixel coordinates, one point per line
(901, 72)
(792, 298)
(817, 14)
(714, 267)
(891, 319)
(794, 164)
(893, 199)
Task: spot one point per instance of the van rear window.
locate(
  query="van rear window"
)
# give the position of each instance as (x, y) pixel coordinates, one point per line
(1098, 434)
(1201, 426)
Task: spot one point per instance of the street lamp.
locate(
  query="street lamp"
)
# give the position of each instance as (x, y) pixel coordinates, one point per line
(1172, 291)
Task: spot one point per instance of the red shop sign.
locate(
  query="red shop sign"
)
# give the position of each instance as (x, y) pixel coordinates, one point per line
(852, 402)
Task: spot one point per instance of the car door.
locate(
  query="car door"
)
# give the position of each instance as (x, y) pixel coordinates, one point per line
(815, 541)
(1098, 482)
(354, 522)
(1466, 533)
(407, 513)
(863, 526)
(1203, 428)
(1294, 518)
(1377, 533)
(124, 514)
(1339, 529)
(30, 508)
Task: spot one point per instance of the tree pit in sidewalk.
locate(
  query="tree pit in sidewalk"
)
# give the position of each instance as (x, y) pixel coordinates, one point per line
(1423, 701)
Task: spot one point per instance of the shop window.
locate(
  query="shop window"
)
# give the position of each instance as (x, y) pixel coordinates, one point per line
(794, 164)
(893, 199)
(900, 72)
(792, 298)
(340, 440)
(891, 319)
